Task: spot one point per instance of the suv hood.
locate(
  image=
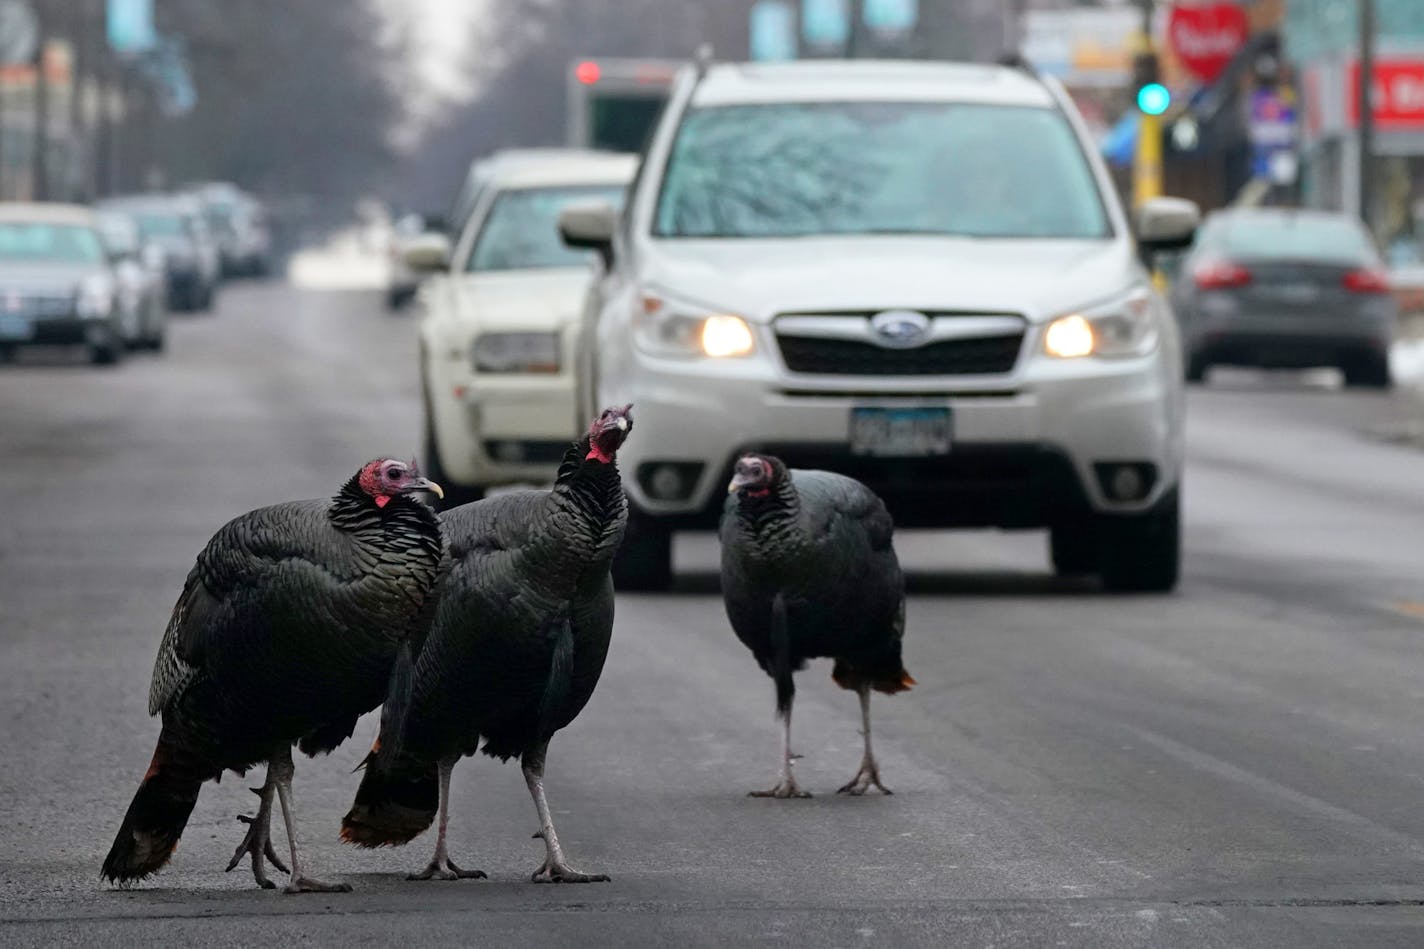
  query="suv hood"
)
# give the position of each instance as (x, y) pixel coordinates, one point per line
(758, 279)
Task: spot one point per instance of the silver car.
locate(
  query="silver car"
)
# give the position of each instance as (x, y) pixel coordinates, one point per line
(138, 269)
(1289, 289)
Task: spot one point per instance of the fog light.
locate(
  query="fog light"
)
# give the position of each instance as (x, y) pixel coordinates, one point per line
(669, 480)
(1126, 481)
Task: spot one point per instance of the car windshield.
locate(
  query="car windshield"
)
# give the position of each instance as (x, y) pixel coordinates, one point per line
(796, 169)
(1305, 237)
(49, 243)
(521, 230)
(157, 224)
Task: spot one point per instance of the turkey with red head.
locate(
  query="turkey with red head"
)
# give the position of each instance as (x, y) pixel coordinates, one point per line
(296, 620)
(516, 647)
(808, 571)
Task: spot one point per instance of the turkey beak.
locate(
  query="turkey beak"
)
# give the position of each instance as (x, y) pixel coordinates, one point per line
(739, 480)
(425, 484)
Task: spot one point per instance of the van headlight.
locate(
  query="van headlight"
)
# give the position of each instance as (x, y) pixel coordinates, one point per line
(667, 328)
(1124, 326)
(94, 299)
(516, 352)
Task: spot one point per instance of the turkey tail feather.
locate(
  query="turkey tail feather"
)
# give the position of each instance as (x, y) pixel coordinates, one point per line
(393, 804)
(157, 815)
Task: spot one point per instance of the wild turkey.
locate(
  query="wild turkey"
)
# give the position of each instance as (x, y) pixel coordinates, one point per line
(296, 620)
(808, 571)
(516, 647)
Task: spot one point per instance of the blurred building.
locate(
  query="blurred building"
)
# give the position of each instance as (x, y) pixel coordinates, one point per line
(1322, 41)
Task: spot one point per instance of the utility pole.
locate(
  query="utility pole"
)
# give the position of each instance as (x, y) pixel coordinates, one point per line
(39, 181)
(1147, 162)
(1366, 109)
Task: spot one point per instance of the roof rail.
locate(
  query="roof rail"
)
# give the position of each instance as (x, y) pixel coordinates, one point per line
(702, 59)
(1013, 59)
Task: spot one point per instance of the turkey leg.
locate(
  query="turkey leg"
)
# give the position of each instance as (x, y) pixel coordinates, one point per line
(786, 785)
(868, 774)
(281, 764)
(258, 841)
(556, 869)
(440, 867)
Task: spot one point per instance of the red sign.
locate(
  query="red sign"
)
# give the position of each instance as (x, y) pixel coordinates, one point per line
(1397, 94)
(1206, 35)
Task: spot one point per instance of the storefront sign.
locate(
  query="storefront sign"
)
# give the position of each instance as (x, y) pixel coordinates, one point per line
(1397, 94)
(1205, 36)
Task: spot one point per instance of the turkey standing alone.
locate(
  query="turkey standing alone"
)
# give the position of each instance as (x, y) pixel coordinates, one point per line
(295, 621)
(520, 633)
(808, 570)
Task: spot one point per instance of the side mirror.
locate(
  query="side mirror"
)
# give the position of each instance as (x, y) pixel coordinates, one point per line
(590, 225)
(1166, 224)
(427, 253)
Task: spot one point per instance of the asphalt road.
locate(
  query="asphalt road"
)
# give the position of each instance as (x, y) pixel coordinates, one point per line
(1241, 763)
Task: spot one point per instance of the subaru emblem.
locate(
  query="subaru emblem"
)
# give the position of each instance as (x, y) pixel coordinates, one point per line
(900, 329)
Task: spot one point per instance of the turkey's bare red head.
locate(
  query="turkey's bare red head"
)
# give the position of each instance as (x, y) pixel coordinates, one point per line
(386, 478)
(754, 476)
(607, 432)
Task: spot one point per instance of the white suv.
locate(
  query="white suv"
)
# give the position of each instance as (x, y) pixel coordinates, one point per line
(501, 324)
(915, 274)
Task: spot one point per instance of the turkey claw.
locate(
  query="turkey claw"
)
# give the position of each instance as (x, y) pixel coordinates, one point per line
(258, 843)
(308, 885)
(868, 775)
(447, 871)
(785, 788)
(563, 873)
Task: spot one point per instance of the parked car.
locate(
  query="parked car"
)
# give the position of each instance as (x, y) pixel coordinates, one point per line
(916, 274)
(239, 225)
(499, 335)
(1286, 289)
(138, 268)
(401, 280)
(175, 224)
(57, 285)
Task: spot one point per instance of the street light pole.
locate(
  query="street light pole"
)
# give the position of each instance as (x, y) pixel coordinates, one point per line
(39, 181)
(1365, 108)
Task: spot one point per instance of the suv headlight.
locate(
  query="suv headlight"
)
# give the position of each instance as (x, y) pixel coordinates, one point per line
(667, 328)
(94, 298)
(1124, 326)
(516, 352)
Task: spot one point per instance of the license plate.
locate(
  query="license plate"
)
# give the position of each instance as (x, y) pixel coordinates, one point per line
(902, 433)
(1297, 292)
(15, 327)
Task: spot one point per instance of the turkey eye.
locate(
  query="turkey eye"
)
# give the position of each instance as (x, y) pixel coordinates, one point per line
(394, 474)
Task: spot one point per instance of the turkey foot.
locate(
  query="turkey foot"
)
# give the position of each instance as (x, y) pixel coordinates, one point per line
(556, 868)
(258, 841)
(867, 775)
(446, 870)
(303, 884)
(563, 873)
(785, 788)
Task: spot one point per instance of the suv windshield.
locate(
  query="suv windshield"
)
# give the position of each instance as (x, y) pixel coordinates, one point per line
(521, 230)
(796, 169)
(50, 243)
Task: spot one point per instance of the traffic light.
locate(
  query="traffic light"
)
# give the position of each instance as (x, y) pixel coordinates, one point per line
(1153, 98)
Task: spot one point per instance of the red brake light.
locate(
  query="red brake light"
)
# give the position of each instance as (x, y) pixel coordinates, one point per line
(1221, 275)
(1366, 281)
(588, 72)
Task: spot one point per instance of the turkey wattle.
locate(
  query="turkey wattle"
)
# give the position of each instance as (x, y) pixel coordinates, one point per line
(296, 620)
(808, 571)
(520, 633)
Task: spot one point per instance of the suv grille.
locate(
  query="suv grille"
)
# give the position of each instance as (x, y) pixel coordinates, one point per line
(950, 357)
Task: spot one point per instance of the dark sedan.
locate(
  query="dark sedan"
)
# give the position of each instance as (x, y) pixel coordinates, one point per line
(1284, 288)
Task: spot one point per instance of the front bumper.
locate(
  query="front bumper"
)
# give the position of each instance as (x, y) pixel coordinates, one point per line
(1024, 453)
(505, 428)
(56, 331)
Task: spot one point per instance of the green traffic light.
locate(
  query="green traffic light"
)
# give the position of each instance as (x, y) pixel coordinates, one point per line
(1153, 98)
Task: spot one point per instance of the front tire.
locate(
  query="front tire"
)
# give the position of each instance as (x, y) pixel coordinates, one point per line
(1196, 368)
(1368, 372)
(644, 561)
(1142, 553)
(108, 353)
(1073, 548)
(456, 493)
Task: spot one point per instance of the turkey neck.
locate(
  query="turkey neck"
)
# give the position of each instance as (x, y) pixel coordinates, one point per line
(771, 523)
(403, 537)
(587, 510)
